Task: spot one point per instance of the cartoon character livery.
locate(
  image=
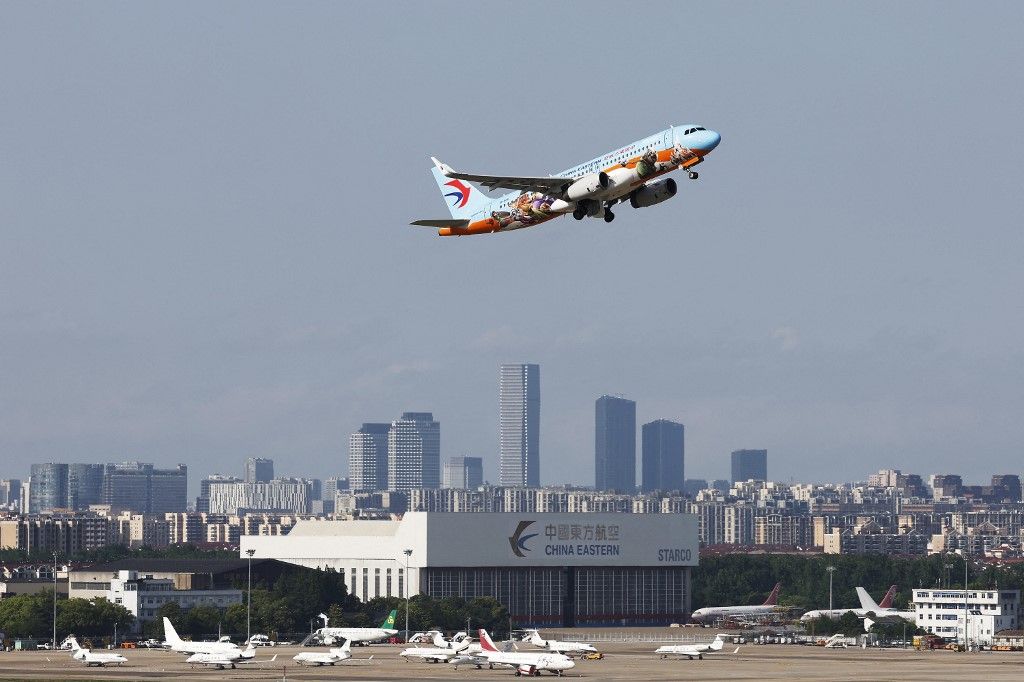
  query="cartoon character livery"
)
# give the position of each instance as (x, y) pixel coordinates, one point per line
(631, 173)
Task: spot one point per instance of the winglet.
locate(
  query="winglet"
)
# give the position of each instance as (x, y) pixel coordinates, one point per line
(443, 167)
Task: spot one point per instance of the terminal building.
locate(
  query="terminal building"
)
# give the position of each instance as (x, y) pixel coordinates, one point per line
(549, 569)
(941, 612)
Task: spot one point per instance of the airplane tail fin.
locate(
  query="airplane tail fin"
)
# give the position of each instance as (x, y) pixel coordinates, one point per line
(718, 643)
(170, 634)
(866, 602)
(75, 646)
(485, 641)
(773, 598)
(887, 600)
(389, 622)
(439, 641)
(347, 646)
(463, 198)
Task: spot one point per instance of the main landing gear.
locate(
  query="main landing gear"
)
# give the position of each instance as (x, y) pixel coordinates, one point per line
(579, 213)
(608, 215)
(693, 175)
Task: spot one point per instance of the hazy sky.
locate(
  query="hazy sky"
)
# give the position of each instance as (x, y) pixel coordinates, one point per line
(204, 253)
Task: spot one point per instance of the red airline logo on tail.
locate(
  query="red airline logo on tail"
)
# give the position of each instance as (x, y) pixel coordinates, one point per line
(773, 598)
(485, 641)
(886, 602)
(461, 192)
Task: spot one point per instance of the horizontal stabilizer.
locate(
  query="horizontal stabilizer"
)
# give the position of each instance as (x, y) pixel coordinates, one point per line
(445, 222)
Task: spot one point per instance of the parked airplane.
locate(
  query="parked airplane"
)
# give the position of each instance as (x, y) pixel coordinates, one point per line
(525, 663)
(868, 605)
(534, 638)
(589, 189)
(336, 655)
(835, 614)
(224, 659)
(222, 646)
(89, 658)
(711, 613)
(359, 635)
(442, 651)
(692, 651)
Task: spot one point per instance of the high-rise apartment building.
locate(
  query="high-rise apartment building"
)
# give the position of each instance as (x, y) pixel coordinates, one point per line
(259, 470)
(368, 458)
(615, 444)
(519, 425)
(662, 454)
(414, 452)
(749, 465)
(203, 501)
(169, 490)
(463, 472)
(49, 487)
(10, 493)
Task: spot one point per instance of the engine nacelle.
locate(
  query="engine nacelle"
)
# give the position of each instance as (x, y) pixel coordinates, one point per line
(587, 186)
(653, 193)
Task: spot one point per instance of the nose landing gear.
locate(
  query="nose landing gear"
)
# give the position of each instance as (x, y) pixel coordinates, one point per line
(693, 175)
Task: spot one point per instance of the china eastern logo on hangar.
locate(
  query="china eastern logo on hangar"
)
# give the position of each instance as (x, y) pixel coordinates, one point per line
(569, 539)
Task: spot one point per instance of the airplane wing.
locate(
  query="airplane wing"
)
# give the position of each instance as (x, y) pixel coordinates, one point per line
(444, 222)
(546, 185)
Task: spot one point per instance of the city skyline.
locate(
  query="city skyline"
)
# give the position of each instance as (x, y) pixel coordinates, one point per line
(207, 255)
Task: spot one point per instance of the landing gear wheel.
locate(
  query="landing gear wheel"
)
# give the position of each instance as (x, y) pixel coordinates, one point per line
(608, 216)
(579, 214)
(693, 175)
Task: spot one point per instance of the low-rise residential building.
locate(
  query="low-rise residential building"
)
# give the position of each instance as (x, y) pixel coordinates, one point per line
(988, 611)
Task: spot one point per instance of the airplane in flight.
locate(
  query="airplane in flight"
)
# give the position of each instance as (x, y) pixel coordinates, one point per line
(712, 613)
(224, 660)
(628, 174)
(692, 651)
(835, 614)
(89, 658)
(223, 647)
(524, 663)
(359, 635)
(534, 638)
(336, 655)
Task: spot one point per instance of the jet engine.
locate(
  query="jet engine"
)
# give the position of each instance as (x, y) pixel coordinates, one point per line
(587, 186)
(653, 193)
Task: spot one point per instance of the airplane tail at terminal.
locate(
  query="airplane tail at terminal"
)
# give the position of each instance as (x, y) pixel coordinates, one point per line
(887, 600)
(485, 641)
(463, 198)
(866, 602)
(773, 598)
(718, 643)
(170, 634)
(389, 622)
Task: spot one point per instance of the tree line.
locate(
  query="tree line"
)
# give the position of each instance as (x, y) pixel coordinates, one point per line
(31, 615)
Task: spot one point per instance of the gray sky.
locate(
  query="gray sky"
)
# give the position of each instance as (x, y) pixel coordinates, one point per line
(203, 251)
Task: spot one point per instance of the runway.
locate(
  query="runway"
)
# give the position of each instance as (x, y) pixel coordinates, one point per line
(626, 662)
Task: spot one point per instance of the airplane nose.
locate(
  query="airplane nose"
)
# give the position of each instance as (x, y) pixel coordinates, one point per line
(711, 140)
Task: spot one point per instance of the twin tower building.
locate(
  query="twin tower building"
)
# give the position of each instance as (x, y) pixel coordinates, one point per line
(406, 453)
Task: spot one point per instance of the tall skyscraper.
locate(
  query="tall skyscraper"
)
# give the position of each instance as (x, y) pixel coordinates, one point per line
(368, 458)
(463, 472)
(749, 465)
(140, 487)
(259, 470)
(519, 415)
(662, 456)
(10, 493)
(85, 485)
(615, 444)
(48, 487)
(414, 452)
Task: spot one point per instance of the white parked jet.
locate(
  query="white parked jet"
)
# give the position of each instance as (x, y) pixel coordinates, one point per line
(89, 658)
(712, 613)
(223, 646)
(692, 651)
(835, 614)
(359, 635)
(525, 663)
(868, 605)
(534, 638)
(224, 660)
(336, 655)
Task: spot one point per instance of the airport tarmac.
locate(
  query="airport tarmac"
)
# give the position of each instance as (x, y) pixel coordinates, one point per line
(622, 662)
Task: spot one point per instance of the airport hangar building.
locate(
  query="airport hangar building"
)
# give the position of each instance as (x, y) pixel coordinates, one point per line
(549, 569)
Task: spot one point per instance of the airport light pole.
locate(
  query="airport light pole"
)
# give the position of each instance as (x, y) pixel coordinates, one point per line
(248, 599)
(53, 643)
(407, 553)
(831, 570)
(966, 614)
